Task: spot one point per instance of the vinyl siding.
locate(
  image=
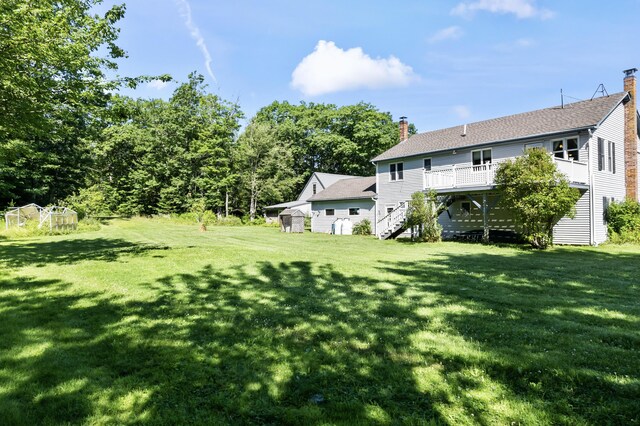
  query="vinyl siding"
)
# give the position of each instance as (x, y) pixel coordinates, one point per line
(605, 183)
(320, 222)
(391, 193)
(575, 231)
(307, 192)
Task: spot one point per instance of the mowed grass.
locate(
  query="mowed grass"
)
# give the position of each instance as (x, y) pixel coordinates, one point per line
(149, 322)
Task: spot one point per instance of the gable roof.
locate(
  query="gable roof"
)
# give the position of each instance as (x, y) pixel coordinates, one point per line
(325, 179)
(575, 116)
(348, 189)
(291, 212)
(286, 205)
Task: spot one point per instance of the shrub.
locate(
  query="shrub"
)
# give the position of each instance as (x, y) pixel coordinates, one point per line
(623, 217)
(229, 221)
(90, 201)
(362, 228)
(422, 217)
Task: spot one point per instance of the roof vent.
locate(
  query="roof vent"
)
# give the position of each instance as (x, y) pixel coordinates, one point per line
(464, 131)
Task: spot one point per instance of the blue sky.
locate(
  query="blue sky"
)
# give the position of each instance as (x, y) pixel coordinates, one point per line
(440, 63)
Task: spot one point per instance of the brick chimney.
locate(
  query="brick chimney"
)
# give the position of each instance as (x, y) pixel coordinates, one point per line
(630, 135)
(404, 129)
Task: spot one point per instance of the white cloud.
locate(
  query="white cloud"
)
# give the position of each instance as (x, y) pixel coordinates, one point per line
(157, 84)
(185, 12)
(462, 111)
(449, 33)
(523, 9)
(331, 69)
(519, 44)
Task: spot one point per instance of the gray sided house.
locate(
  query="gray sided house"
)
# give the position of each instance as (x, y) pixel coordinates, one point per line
(317, 183)
(594, 143)
(349, 198)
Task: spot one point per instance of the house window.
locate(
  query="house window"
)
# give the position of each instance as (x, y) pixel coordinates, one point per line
(481, 156)
(538, 145)
(329, 212)
(611, 157)
(600, 154)
(427, 164)
(396, 171)
(354, 211)
(390, 208)
(566, 149)
(314, 189)
(465, 208)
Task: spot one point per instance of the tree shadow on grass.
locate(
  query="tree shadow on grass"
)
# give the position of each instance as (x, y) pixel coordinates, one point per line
(558, 329)
(288, 343)
(465, 338)
(32, 252)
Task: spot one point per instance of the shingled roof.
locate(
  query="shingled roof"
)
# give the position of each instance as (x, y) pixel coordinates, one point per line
(575, 116)
(348, 189)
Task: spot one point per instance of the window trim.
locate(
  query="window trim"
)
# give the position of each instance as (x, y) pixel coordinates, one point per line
(396, 172)
(326, 212)
(565, 150)
(314, 188)
(482, 162)
(354, 208)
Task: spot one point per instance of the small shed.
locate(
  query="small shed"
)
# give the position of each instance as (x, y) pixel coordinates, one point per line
(291, 220)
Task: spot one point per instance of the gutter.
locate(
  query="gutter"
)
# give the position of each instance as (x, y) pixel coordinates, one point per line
(481, 144)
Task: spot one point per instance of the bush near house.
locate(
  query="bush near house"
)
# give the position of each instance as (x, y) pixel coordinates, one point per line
(362, 228)
(623, 220)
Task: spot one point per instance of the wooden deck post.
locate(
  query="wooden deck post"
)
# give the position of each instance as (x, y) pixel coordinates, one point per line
(485, 218)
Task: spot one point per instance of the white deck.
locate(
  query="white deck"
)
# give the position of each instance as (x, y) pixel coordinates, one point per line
(468, 175)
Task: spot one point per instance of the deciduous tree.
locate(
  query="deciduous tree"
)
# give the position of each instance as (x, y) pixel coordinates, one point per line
(537, 193)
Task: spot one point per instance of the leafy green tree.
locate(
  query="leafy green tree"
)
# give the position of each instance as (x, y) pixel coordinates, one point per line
(54, 55)
(264, 165)
(537, 193)
(329, 139)
(160, 156)
(422, 217)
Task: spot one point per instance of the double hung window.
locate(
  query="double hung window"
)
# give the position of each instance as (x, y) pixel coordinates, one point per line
(396, 171)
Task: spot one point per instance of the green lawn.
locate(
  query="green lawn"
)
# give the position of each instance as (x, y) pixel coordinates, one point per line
(151, 322)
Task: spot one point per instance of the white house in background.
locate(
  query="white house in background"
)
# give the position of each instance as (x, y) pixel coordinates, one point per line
(350, 199)
(317, 183)
(594, 142)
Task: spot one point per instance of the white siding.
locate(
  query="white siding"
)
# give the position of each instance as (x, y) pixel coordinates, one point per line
(577, 230)
(307, 191)
(320, 222)
(390, 193)
(605, 183)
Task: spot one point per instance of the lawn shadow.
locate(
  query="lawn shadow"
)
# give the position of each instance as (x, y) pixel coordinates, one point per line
(558, 329)
(285, 343)
(35, 252)
(305, 343)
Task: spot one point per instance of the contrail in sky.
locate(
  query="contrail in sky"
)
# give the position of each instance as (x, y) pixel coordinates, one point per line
(185, 12)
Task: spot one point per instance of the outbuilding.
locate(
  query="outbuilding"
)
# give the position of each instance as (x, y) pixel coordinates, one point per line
(291, 220)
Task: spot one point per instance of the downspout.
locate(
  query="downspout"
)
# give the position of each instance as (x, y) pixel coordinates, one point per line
(375, 214)
(592, 214)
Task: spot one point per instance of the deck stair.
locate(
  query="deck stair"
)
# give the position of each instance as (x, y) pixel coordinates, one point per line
(394, 223)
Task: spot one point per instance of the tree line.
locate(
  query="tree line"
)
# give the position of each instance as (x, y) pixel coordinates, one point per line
(67, 135)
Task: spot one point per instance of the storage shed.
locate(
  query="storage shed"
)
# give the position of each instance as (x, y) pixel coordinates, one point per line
(291, 220)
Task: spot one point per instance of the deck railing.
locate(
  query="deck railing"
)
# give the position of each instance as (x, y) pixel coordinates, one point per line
(468, 175)
(396, 216)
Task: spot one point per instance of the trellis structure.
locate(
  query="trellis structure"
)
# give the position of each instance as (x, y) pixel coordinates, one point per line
(54, 217)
